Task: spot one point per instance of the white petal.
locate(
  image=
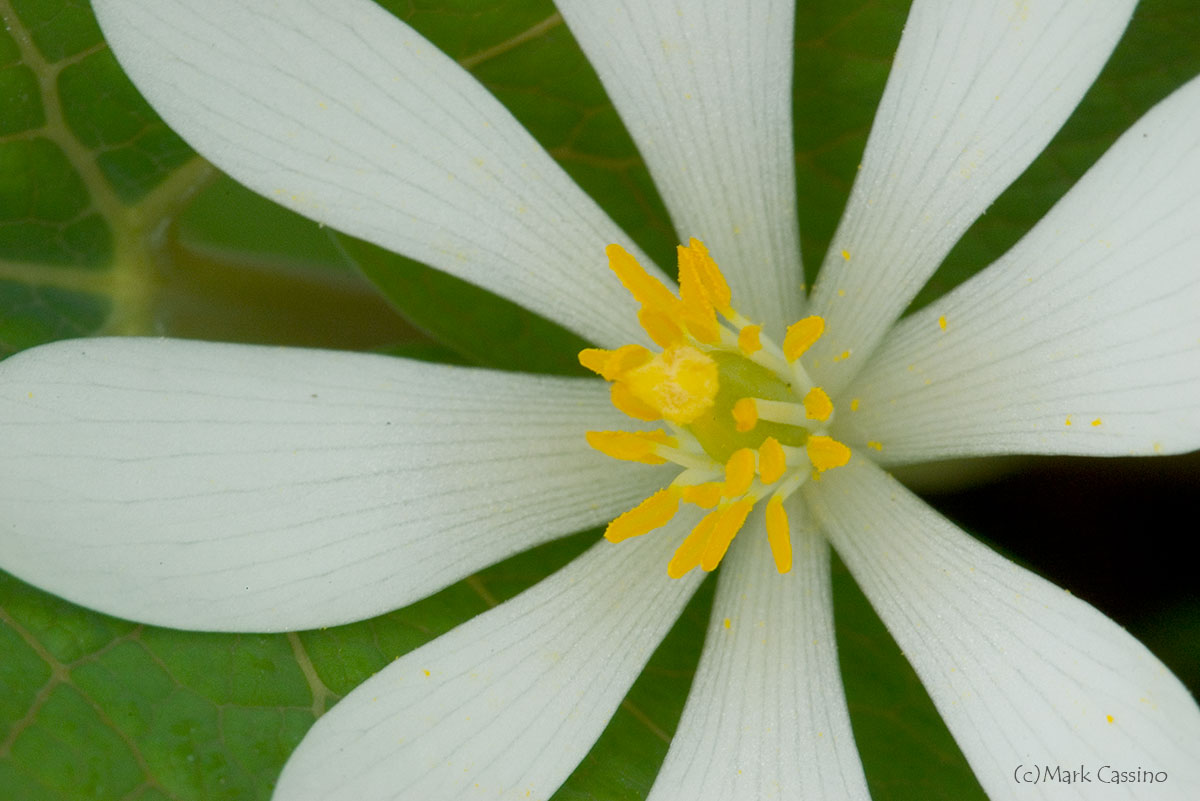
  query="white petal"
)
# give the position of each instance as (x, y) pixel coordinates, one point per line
(766, 717)
(704, 87)
(232, 487)
(977, 90)
(506, 705)
(346, 115)
(1024, 673)
(1092, 318)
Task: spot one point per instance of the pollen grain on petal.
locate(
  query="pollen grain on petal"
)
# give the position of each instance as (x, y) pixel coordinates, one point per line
(655, 511)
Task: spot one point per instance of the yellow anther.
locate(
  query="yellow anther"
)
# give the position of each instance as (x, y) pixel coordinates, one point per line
(749, 339)
(594, 359)
(817, 405)
(706, 495)
(745, 414)
(655, 511)
(631, 446)
(739, 473)
(688, 554)
(698, 313)
(645, 288)
(826, 453)
(779, 534)
(730, 522)
(664, 329)
(716, 288)
(801, 335)
(630, 404)
(772, 463)
(680, 383)
(612, 363)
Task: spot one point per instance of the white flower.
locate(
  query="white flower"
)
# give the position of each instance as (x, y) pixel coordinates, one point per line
(240, 488)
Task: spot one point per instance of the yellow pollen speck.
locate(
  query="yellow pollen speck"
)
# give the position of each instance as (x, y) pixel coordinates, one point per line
(745, 414)
(841, 293)
(727, 623)
(1158, 447)
(427, 673)
(1109, 718)
(845, 255)
(942, 322)
(842, 356)
(1096, 422)
(817, 405)
(854, 404)
(874, 445)
(1068, 421)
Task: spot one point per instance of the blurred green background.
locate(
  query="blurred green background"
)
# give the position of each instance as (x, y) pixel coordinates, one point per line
(110, 224)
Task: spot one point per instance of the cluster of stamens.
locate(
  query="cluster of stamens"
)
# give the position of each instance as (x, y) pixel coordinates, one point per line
(741, 415)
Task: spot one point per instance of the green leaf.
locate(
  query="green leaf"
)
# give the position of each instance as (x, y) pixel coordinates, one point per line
(109, 224)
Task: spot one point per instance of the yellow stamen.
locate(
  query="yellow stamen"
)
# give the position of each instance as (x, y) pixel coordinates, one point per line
(779, 534)
(630, 404)
(706, 495)
(817, 405)
(655, 511)
(801, 336)
(688, 554)
(611, 364)
(732, 518)
(661, 327)
(826, 453)
(749, 339)
(715, 286)
(698, 313)
(631, 446)
(645, 288)
(745, 414)
(680, 383)
(772, 462)
(739, 473)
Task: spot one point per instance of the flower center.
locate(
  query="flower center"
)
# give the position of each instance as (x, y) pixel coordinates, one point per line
(742, 417)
